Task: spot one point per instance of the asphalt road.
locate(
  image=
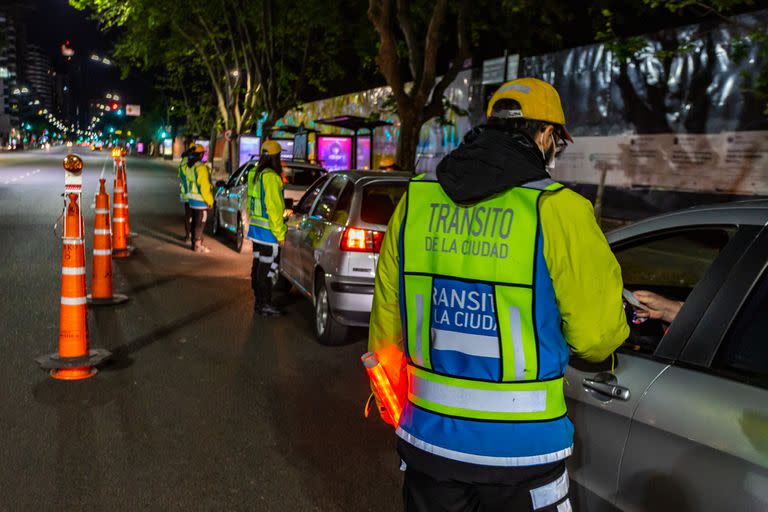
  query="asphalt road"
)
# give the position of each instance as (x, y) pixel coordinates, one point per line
(205, 406)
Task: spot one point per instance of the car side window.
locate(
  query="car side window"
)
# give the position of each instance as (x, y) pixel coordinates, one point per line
(744, 352)
(344, 205)
(309, 198)
(670, 266)
(327, 203)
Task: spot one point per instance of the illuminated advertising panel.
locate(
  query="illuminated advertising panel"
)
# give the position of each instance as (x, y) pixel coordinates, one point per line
(249, 147)
(364, 153)
(287, 148)
(168, 147)
(334, 153)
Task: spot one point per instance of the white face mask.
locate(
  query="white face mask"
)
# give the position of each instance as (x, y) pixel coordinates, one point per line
(550, 163)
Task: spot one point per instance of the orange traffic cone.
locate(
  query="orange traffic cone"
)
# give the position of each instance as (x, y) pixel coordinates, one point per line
(121, 170)
(120, 247)
(73, 361)
(101, 283)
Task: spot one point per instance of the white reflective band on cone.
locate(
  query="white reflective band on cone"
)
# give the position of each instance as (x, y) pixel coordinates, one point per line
(73, 271)
(102, 252)
(485, 400)
(485, 460)
(73, 301)
(119, 190)
(102, 232)
(549, 494)
(118, 219)
(120, 205)
(101, 210)
(73, 241)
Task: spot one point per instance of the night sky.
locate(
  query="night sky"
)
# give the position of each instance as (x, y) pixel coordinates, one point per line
(51, 22)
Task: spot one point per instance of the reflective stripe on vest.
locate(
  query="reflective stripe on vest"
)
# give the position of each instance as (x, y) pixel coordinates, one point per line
(468, 276)
(471, 399)
(193, 190)
(259, 218)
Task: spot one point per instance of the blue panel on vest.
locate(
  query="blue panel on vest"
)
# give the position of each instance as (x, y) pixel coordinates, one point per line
(553, 349)
(463, 307)
(198, 205)
(492, 439)
(464, 333)
(462, 365)
(259, 234)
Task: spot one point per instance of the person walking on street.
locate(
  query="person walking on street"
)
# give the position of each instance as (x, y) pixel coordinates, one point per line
(489, 273)
(199, 193)
(183, 196)
(267, 227)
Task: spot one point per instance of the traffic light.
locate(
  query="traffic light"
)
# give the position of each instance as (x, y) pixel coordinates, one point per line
(119, 112)
(163, 134)
(111, 130)
(115, 106)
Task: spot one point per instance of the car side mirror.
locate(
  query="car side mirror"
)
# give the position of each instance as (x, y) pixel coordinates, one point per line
(289, 204)
(221, 184)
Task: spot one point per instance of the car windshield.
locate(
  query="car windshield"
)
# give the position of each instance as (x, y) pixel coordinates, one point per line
(380, 200)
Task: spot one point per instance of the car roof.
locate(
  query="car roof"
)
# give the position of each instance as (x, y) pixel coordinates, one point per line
(752, 212)
(360, 176)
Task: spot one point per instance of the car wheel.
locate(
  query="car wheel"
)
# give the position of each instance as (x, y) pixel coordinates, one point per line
(327, 330)
(215, 222)
(239, 235)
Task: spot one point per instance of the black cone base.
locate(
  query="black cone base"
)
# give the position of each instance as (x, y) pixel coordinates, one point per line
(117, 298)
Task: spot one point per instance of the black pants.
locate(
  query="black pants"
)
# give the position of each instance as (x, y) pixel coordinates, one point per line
(539, 488)
(265, 261)
(187, 220)
(198, 224)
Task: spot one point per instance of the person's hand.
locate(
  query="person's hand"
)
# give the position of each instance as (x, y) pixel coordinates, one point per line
(659, 307)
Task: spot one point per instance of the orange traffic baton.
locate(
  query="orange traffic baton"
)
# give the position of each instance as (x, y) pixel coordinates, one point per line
(120, 247)
(382, 387)
(74, 360)
(101, 282)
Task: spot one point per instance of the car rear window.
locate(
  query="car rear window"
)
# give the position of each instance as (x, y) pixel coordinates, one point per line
(302, 177)
(380, 200)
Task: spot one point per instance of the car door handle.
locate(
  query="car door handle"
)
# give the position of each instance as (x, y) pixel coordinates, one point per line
(606, 388)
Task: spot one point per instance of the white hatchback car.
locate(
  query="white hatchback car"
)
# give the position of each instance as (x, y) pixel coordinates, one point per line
(333, 242)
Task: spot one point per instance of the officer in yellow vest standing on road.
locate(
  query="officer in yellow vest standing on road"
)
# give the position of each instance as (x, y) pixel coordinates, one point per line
(199, 193)
(490, 272)
(267, 227)
(183, 195)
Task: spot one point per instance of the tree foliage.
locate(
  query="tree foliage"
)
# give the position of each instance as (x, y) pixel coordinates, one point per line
(256, 56)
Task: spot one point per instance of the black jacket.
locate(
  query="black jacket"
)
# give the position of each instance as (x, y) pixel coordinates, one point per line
(488, 162)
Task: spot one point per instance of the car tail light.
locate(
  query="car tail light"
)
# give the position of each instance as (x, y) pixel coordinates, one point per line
(361, 240)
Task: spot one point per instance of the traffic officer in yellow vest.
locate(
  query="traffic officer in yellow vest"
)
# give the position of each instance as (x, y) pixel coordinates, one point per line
(267, 227)
(199, 193)
(183, 195)
(489, 274)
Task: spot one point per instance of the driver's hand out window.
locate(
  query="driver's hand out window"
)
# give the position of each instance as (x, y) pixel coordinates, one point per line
(659, 307)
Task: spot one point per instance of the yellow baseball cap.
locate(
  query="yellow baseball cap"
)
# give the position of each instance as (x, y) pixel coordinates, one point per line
(271, 147)
(197, 148)
(538, 101)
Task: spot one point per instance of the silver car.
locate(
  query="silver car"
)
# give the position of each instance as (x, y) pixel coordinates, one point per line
(230, 209)
(679, 421)
(333, 242)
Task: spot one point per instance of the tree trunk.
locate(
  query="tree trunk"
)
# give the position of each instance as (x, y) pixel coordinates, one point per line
(407, 142)
(212, 144)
